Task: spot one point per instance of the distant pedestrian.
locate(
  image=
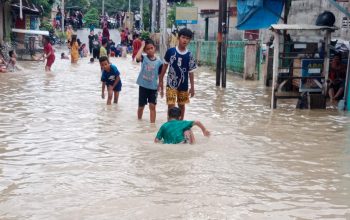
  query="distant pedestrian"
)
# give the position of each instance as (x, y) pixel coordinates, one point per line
(148, 78)
(111, 79)
(136, 45)
(137, 20)
(182, 65)
(105, 32)
(49, 54)
(92, 37)
(69, 34)
(74, 46)
(123, 37)
(103, 49)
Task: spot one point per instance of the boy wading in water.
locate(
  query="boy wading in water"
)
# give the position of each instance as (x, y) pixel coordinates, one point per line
(177, 131)
(148, 78)
(111, 79)
(181, 66)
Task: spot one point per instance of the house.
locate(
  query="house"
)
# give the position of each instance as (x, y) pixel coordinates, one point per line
(306, 11)
(208, 12)
(5, 20)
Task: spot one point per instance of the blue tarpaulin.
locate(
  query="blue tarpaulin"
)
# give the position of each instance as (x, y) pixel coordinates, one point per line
(258, 14)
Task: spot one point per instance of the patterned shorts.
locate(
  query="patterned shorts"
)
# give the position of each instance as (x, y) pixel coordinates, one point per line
(173, 96)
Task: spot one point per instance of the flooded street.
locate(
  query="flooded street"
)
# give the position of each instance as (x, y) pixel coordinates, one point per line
(64, 154)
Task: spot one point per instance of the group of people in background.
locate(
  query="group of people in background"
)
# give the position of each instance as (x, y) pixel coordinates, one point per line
(74, 18)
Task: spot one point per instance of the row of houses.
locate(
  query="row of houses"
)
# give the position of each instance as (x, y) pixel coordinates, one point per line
(11, 17)
(301, 12)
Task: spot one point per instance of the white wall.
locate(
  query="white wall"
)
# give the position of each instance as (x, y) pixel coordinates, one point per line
(213, 22)
(307, 11)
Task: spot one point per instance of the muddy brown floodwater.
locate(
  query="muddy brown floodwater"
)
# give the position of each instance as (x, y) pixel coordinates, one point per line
(64, 154)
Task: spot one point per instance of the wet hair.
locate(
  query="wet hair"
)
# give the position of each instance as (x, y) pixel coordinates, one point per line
(136, 36)
(174, 112)
(74, 39)
(47, 39)
(337, 55)
(62, 54)
(104, 40)
(104, 58)
(11, 52)
(186, 32)
(149, 41)
(92, 60)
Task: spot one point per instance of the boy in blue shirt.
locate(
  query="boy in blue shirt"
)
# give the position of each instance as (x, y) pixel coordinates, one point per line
(182, 65)
(148, 78)
(177, 131)
(111, 79)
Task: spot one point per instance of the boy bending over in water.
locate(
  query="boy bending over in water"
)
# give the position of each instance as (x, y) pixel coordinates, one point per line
(177, 131)
(111, 79)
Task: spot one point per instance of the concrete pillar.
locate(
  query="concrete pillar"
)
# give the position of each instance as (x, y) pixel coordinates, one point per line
(276, 46)
(250, 51)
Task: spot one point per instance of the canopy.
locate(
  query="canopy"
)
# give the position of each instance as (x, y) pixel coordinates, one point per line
(258, 14)
(34, 32)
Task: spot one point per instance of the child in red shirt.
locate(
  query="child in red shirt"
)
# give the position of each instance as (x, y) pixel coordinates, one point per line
(48, 54)
(136, 45)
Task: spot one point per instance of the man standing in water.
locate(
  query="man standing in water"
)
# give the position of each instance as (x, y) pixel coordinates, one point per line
(182, 65)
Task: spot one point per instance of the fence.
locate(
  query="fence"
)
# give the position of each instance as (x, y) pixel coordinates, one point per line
(208, 52)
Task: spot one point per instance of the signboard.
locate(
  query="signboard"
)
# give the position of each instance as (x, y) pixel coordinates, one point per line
(186, 15)
(251, 35)
(311, 67)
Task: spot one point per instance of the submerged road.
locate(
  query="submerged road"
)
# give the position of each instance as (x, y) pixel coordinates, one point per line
(64, 154)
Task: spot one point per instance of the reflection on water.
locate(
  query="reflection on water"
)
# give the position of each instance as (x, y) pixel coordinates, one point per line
(64, 154)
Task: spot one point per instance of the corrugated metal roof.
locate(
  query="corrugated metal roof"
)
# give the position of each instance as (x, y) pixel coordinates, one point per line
(301, 27)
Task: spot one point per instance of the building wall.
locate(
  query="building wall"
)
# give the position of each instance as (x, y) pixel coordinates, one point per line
(306, 12)
(1, 23)
(199, 28)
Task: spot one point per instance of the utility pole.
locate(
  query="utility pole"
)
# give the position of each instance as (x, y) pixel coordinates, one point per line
(219, 42)
(224, 45)
(154, 11)
(63, 16)
(163, 28)
(103, 7)
(129, 15)
(141, 14)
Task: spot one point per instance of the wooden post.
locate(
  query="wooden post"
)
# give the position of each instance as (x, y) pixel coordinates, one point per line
(276, 46)
(326, 61)
(206, 28)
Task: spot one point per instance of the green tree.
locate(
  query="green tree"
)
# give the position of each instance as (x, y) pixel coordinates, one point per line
(45, 4)
(83, 4)
(113, 6)
(92, 17)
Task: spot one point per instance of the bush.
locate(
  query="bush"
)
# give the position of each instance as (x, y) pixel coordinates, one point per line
(46, 26)
(145, 35)
(61, 35)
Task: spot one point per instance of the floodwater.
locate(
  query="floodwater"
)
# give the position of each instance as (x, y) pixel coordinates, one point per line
(64, 154)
